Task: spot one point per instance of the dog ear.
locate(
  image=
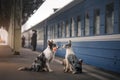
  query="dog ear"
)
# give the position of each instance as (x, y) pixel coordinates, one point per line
(48, 41)
(69, 41)
(80, 61)
(51, 41)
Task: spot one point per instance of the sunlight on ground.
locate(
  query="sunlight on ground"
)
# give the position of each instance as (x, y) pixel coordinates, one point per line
(3, 36)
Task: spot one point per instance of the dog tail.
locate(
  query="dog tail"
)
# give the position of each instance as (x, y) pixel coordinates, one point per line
(25, 69)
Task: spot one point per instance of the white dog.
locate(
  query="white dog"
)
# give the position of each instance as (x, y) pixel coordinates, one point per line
(71, 62)
(49, 53)
(43, 60)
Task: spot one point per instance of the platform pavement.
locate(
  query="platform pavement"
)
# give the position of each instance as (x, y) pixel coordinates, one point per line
(9, 64)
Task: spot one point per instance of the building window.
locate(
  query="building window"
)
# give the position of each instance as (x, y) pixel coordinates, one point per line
(67, 29)
(109, 18)
(72, 32)
(96, 22)
(78, 26)
(87, 24)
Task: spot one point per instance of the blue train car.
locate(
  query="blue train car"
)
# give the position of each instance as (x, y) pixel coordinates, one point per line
(93, 26)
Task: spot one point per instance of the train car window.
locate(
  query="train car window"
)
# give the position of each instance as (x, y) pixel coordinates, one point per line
(70, 28)
(96, 22)
(59, 31)
(67, 29)
(48, 32)
(53, 28)
(119, 17)
(109, 18)
(72, 32)
(40, 34)
(55, 31)
(78, 26)
(29, 36)
(87, 24)
(63, 30)
(51, 32)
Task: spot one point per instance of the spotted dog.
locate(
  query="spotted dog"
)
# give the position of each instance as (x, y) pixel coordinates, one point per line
(37, 65)
(41, 63)
(71, 62)
(49, 53)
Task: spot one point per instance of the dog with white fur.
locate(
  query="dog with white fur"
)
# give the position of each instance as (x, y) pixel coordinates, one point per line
(71, 62)
(42, 62)
(49, 53)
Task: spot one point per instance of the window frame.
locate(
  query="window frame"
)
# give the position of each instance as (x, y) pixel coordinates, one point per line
(79, 25)
(109, 15)
(96, 30)
(87, 24)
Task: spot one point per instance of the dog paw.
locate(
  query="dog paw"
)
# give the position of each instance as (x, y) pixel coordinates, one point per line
(74, 72)
(50, 70)
(65, 71)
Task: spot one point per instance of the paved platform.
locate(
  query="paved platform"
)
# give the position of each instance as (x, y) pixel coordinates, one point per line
(9, 64)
